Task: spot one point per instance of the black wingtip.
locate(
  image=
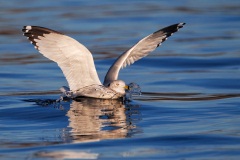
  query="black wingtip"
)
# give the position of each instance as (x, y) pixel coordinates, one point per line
(26, 29)
(180, 25)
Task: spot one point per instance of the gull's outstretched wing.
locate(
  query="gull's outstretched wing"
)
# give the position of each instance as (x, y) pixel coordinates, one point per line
(140, 50)
(73, 58)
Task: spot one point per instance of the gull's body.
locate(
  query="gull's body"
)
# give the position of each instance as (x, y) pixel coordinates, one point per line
(77, 64)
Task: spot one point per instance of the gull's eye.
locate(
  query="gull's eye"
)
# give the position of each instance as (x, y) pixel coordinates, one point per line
(117, 84)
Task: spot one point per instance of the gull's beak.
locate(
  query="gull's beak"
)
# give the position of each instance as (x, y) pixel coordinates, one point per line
(126, 87)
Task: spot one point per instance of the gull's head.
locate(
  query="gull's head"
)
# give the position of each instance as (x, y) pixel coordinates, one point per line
(119, 86)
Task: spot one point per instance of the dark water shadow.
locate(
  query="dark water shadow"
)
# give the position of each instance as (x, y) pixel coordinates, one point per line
(31, 93)
(155, 96)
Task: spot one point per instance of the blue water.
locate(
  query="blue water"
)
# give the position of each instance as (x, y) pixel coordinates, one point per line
(190, 104)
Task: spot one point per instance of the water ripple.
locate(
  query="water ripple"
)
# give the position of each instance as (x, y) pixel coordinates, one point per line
(150, 96)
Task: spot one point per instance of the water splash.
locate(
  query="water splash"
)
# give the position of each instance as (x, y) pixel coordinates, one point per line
(134, 89)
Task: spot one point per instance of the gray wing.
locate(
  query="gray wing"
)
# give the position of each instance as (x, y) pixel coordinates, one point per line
(73, 58)
(140, 50)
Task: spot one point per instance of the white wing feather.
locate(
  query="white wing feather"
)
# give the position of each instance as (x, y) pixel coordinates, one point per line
(140, 50)
(73, 58)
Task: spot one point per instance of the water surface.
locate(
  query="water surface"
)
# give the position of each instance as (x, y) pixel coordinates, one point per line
(190, 104)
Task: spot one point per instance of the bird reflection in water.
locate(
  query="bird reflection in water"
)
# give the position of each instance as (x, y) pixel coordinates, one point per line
(93, 119)
(97, 119)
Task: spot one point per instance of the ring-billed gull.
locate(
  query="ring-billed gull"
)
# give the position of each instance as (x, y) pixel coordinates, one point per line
(76, 61)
